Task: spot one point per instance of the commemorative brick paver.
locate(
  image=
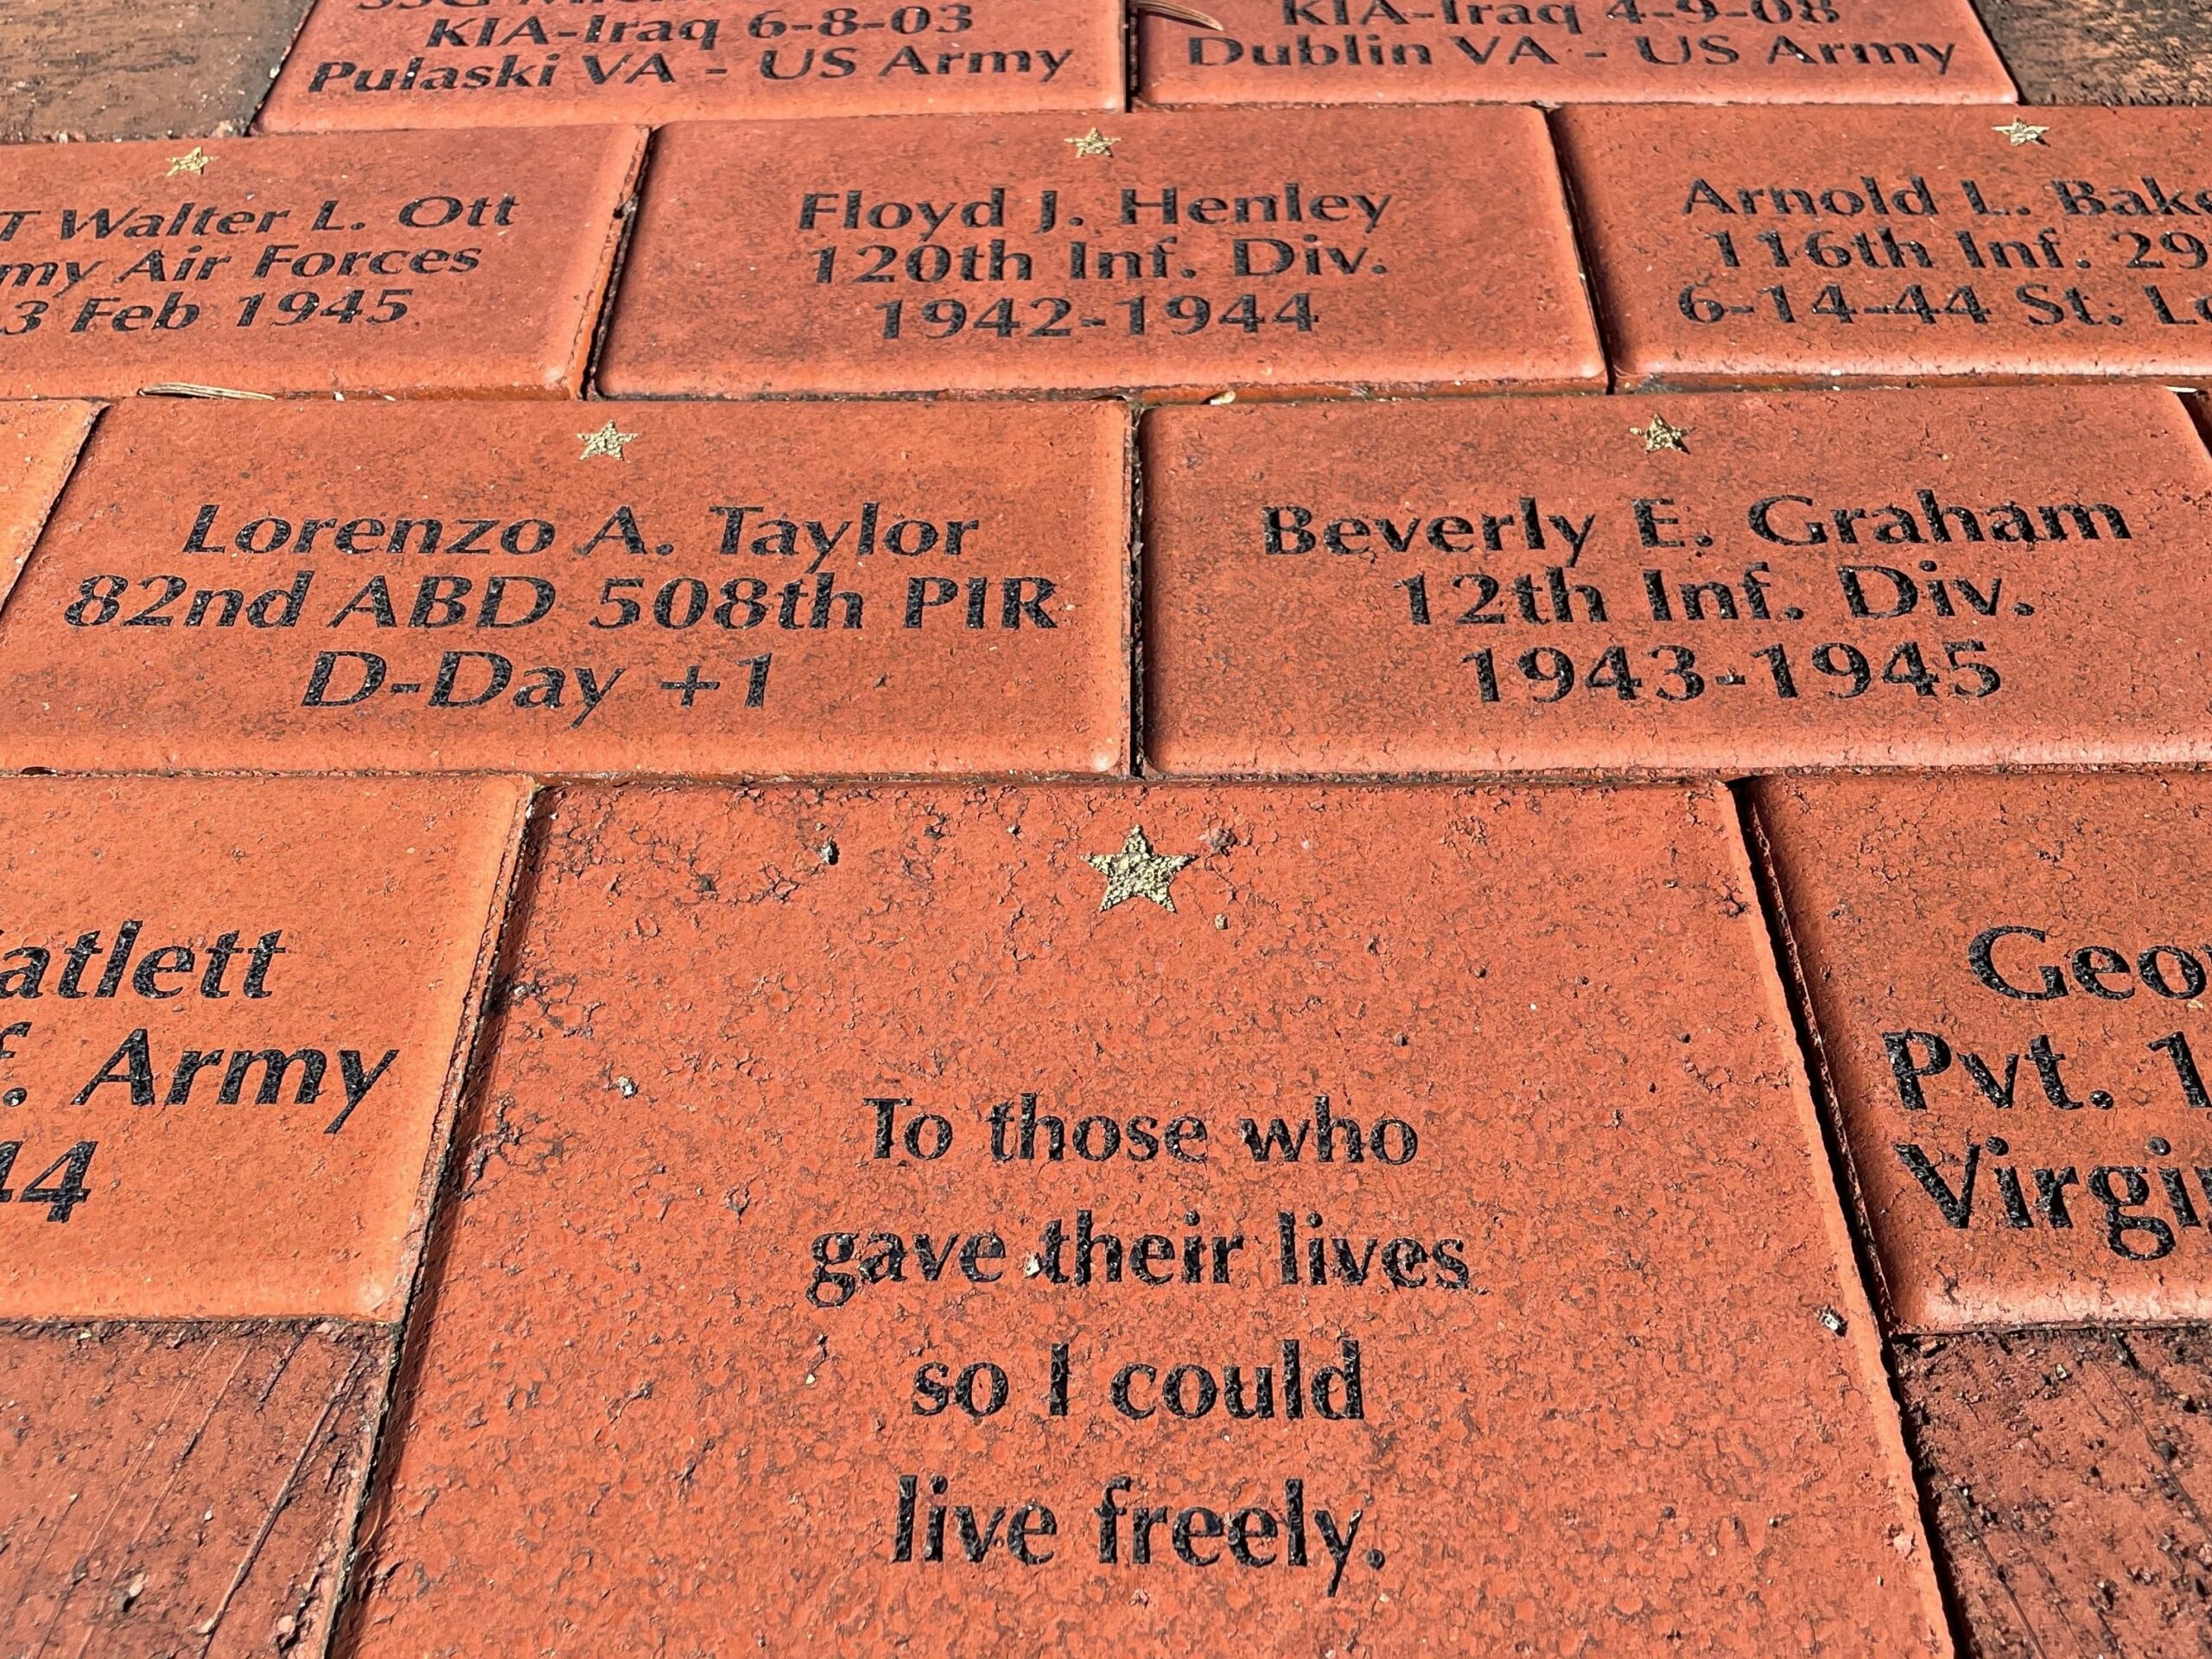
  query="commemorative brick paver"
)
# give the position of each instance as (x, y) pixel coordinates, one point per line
(2008, 979)
(1177, 1221)
(516, 63)
(38, 442)
(1853, 246)
(233, 1016)
(180, 1489)
(1269, 250)
(762, 588)
(1731, 583)
(392, 262)
(1614, 51)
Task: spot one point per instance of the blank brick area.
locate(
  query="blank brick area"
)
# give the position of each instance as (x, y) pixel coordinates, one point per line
(38, 442)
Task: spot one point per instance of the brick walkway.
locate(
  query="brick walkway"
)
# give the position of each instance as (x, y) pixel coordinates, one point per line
(1331, 828)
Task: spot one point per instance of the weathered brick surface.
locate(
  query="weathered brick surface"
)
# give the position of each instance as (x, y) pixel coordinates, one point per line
(2065, 1471)
(38, 443)
(128, 69)
(180, 1489)
(2105, 51)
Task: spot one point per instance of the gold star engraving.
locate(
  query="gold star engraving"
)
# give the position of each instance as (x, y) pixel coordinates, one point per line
(605, 442)
(2021, 133)
(1094, 143)
(1137, 872)
(194, 160)
(1660, 436)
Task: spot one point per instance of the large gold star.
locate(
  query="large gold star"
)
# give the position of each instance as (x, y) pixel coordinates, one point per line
(1094, 143)
(194, 160)
(605, 442)
(2021, 133)
(1660, 436)
(1137, 872)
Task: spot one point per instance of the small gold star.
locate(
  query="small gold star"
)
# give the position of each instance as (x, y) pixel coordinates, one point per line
(2021, 133)
(194, 160)
(1660, 436)
(1137, 872)
(605, 442)
(1094, 143)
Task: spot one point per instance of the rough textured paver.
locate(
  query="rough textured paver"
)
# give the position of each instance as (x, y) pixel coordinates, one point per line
(1259, 248)
(126, 69)
(2105, 51)
(38, 442)
(2067, 1474)
(393, 262)
(1619, 51)
(514, 63)
(2008, 976)
(582, 587)
(1859, 245)
(180, 1489)
(232, 1019)
(1729, 582)
(1578, 1341)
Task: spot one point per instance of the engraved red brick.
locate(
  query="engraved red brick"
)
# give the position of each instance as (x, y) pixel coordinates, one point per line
(675, 1370)
(1270, 250)
(233, 1014)
(401, 263)
(2008, 975)
(1730, 583)
(516, 63)
(1778, 52)
(171, 1488)
(1846, 246)
(38, 442)
(582, 587)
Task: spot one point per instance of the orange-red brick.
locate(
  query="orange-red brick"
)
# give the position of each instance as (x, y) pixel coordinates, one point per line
(514, 64)
(661, 1398)
(1872, 246)
(652, 586)
(398, 263)
(1185, 253)
(234, 1014)
(1778, 50)
(1726, 583)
